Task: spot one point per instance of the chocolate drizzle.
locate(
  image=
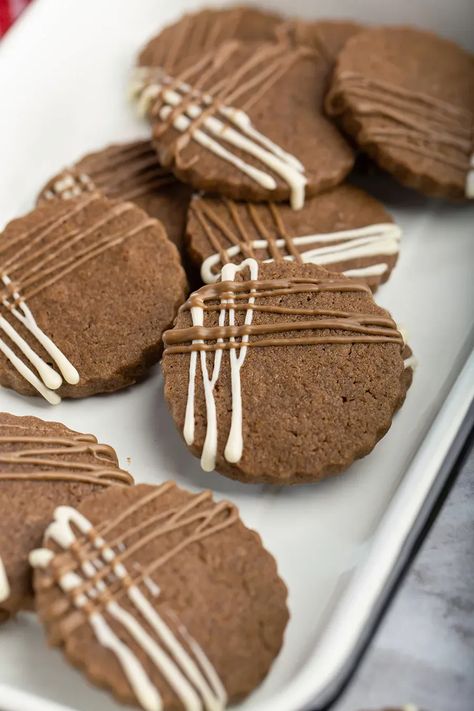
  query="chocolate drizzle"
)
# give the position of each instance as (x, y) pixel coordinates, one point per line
(358, 328)
(196, 519)
(201, 32)
(239, 236)
(121, 172)
(47, 252)
(234, 238)
(27, 457)
(411, 120)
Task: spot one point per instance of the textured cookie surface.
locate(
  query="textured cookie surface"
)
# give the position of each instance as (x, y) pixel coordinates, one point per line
(407, 97)
(88, 287)
(200, 32)
(343, 229)
(162, 596)
(42, 465)
(127, 171)
(246, 120)
(282, 373)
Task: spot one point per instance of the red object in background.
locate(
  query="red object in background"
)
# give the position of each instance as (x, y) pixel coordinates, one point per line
(9, 11)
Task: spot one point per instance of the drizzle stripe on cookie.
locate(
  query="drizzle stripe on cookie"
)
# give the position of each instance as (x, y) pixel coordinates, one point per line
(332, 327)
(234, 445)
(47, 458)
(182, 103)
(125, 173)
(377, 240)
(410, 362)
(412, 120)
(4, 584)
(97, 579)
(34, 264)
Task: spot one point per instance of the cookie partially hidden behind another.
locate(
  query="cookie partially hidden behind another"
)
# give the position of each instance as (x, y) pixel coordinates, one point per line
(196, 33)
(407, 98)
(283, 372)
(344, 229)
(127, 171)
(87, 287)
(42, 465)
(162, 596)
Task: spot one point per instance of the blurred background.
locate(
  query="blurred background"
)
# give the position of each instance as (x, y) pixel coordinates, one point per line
(9, 11)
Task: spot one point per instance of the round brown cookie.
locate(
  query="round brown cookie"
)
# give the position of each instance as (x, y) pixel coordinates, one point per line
(326, 36)
(282, 373)
(407, 98)
(42, 465)
(199, 32)
(344, 229)
(87, 287)
(180, 606)
(127, 171)
(246, 120)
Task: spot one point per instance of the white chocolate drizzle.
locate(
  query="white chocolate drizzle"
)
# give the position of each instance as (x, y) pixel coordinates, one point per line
(4, 584)
(48, 380)
(190, 674)
(70, 186)
(410, 362)
(234, 446)
(370, 241)
(152, 86)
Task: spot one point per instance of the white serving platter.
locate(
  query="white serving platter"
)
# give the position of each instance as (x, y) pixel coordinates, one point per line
(63, 79)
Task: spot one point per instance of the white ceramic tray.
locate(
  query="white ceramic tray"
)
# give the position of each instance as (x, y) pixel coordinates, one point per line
(63, 76)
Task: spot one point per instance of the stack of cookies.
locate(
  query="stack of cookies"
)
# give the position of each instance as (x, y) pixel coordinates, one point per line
(279, 367)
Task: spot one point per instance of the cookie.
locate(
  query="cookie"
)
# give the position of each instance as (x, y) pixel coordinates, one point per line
(127, 171)
(200, 32)
(283, 372)
(42, 465)
(246, 121)
(344, 229)
(87, 287)
(411, 110)
(328, 37)
(161, 596)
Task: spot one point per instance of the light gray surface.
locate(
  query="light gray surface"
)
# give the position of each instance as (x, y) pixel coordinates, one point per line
(423, 651)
